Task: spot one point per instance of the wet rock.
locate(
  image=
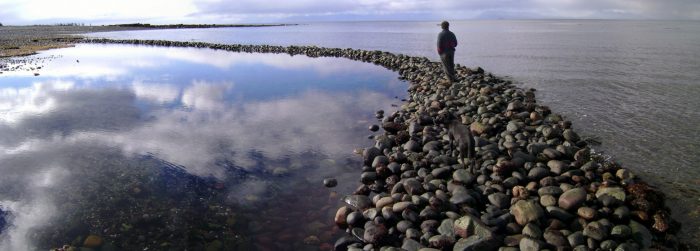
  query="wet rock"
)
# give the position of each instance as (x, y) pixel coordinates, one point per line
(469, 225)
(550, 190)
(537, 173)
(513, 240)
(358, 202)
(536, 148)
(551, 153)
(403, 226)
(624, 174)
(475, 243)
(615, 192)
(556, 238)
(570, 135)
(640, 234)
(441, 172)
(369, 154)
(374, 233)
(385, 201)
(559, 213)
(380, 161)
(330, 182)
(572, 199)
(412, 146)
(661, 223)
(621, 232)
(526, 211)
(557, 167)
(627, 247)
(342, 243)
(441, 241)
(92, 241)
(608, 245)
(463, 176)
(499, 200)
(460, 195)
(582, 155)
(411, 245)
(596, 231)
(413, 186)
(392, 127)
(576, 239)
(533, 231)
(548, 200)
(478, 128)
(530, 244)
(400, 206)
(447, 228)
(431, 146)
(355, 218)
(368, 177)
(587, 213)
(374, 128)
(312, 240)
(341, 216)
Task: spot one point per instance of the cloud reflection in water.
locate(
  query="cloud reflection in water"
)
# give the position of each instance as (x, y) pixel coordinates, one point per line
(59, 135)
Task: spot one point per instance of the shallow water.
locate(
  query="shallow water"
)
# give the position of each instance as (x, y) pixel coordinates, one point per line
(171, 148)
(631, 84)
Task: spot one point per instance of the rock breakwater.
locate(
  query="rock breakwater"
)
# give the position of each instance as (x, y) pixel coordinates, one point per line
(537, 185)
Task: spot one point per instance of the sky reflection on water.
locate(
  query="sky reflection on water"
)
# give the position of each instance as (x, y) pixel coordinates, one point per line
(212, 113)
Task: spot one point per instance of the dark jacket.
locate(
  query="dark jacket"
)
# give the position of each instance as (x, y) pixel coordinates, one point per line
(446, 41)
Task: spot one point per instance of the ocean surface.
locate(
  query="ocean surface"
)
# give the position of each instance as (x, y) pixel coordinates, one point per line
(632, 85)
(181, 148)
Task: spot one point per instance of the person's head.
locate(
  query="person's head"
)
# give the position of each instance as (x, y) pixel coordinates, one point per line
(445, 25)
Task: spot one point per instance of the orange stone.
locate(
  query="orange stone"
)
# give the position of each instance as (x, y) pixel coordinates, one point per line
(92, 241)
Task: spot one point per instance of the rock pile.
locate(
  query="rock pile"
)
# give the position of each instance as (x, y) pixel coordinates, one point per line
(538, 185)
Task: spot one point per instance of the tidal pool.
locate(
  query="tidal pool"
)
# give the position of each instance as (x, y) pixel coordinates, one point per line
(180, 148)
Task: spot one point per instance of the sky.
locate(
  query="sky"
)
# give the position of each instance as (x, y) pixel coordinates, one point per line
(22, 12)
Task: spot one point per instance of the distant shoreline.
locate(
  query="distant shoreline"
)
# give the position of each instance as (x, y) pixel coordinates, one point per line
(16, 41)
(196, 26)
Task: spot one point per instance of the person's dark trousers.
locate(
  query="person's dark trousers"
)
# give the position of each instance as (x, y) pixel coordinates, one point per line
(448, 63)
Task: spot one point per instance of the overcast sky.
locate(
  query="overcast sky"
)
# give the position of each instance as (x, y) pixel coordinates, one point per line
(269, 11)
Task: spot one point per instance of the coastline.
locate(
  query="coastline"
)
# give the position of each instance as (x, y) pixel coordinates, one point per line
(536, 174)
(16, 41)
(495, 102)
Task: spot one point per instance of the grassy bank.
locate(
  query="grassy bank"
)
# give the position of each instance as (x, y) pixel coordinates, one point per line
(27, 40)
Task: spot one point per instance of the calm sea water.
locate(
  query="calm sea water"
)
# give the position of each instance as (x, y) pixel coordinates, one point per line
(635, 85)
(178, 148)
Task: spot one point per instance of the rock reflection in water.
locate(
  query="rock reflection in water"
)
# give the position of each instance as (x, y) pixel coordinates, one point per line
(155, 147)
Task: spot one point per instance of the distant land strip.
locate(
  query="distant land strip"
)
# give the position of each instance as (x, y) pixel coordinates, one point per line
(26, 40)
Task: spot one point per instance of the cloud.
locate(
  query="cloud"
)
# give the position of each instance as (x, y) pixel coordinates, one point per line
(214, 11)
(87, 137)
(159, 93)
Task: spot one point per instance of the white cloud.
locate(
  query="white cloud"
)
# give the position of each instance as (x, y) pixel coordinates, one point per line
(17, 103)
(160, 93)
(101, 9)
(214, 11)
(205, 96)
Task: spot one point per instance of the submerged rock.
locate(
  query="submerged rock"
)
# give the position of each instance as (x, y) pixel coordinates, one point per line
(330, 182)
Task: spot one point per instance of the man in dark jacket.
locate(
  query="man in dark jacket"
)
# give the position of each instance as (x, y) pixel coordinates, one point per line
(446, 44)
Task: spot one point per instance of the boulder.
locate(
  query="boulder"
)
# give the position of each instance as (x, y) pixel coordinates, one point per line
(572, 199)
(526, 211)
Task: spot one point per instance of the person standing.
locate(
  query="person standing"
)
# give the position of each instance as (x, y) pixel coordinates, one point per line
(446, 44)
